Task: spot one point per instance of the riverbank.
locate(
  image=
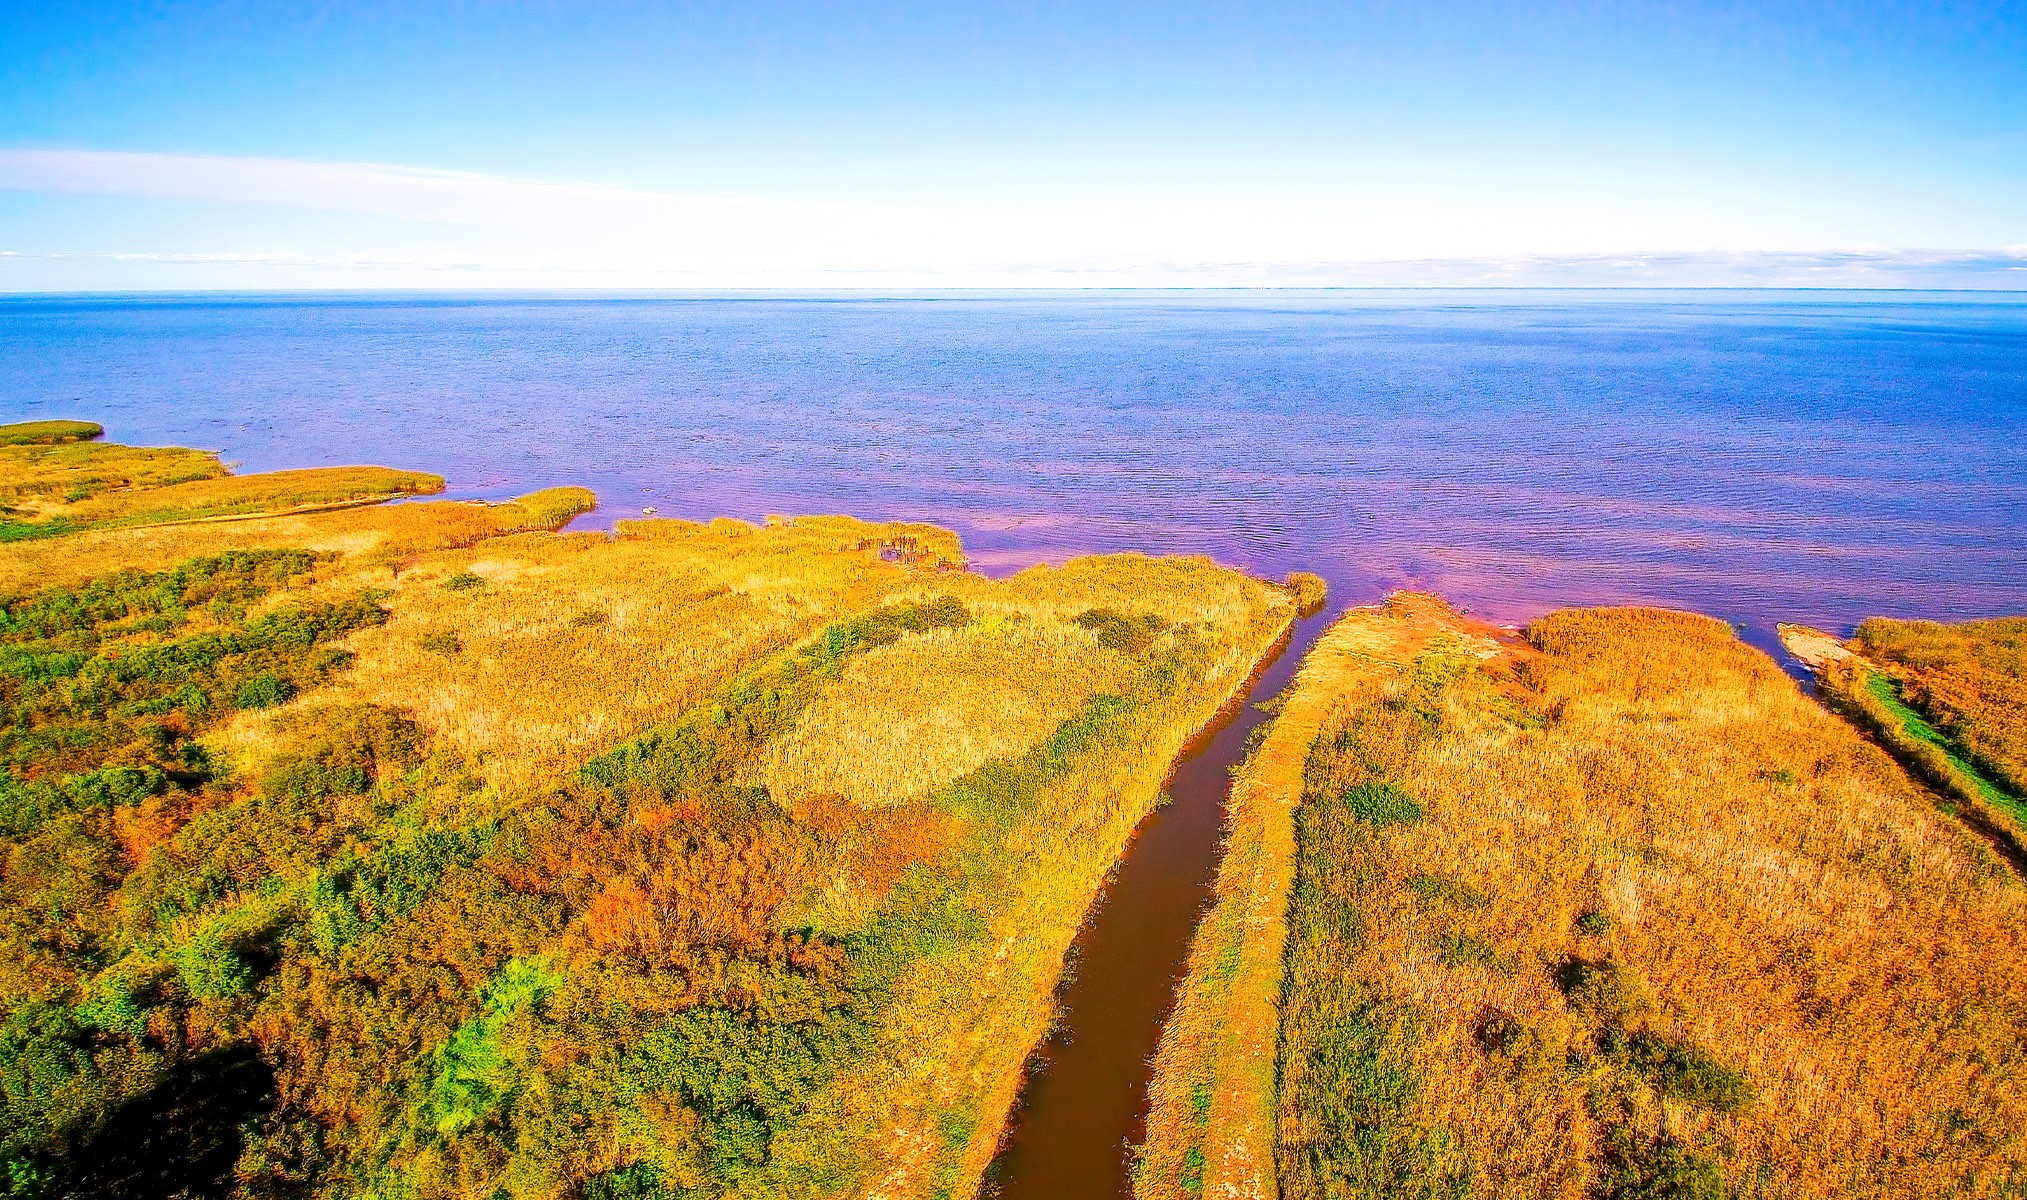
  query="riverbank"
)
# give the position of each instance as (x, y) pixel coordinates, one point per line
(1574, 916)
(1868, 681)
(1091, 873)
(568, 864)
(1211, 1121)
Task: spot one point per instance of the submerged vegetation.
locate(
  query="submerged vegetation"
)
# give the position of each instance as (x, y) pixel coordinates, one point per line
(394, 852)
(1616, 914)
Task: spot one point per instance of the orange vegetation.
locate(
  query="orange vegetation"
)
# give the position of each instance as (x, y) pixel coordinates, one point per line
(1631, 916)
(396, 853)
(1210, 1128)
(1969, 679)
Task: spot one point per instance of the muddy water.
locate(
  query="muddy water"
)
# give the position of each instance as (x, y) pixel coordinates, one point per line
(1086, 1103)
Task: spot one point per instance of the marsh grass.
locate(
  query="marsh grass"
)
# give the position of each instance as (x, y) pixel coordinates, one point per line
(249, 495)
(48, 433)
(908, 718)
(374, 541)
(59, 490)
(1725, 946)
(486, 882)
(536, 688)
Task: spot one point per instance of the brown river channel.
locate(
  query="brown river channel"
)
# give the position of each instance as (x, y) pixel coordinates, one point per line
(1085, 1104)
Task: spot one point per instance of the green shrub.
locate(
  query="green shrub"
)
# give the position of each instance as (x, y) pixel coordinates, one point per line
(1377, 803)
(441, 642)
(590, 618)
(264, 690)
(463, 581)
(23, 1178)
(1608, 992)
(1687, 1072)
(48, 1080)
(1359, 1092)
(110, 1005)
(641, 1181)
(101, 700)
(210, 970)
(343, 751)
(1596, 924)
(1436, 891)
(1499, 1032)
(1513, 712)
(477, 1067)
(1128, 635)
(1663, 1169)
(1469, 950)
(235, 577)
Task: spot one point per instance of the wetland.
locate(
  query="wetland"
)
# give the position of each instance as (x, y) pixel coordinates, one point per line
(443, 830)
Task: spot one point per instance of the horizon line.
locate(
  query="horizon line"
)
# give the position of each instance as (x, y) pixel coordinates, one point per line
(58, 293)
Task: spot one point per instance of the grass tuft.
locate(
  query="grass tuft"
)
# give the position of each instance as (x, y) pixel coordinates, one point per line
(49, 433)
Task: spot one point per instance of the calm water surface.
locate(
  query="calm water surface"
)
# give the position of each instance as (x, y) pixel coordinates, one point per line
(1817, 457)
(1820, 457)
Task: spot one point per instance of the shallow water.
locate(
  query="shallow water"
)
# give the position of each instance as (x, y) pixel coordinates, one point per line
(1813, 457)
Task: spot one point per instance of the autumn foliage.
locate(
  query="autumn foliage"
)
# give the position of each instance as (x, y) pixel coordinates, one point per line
(402, 852)
(1624, 914)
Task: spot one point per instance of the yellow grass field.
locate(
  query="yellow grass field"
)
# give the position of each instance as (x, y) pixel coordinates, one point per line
(908, 718)
(567, 644)
(1618, 914)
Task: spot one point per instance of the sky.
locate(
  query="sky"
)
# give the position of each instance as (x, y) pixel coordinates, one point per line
(760, 144)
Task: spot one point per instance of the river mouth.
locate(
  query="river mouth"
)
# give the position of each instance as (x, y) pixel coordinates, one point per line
(1084, 1104)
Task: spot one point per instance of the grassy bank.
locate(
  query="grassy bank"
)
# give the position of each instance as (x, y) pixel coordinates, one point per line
(1950, 702)
(48, 433)
(1969, 680)
(53, 485)
(1616, 914)
(1212, 1112)
(393, 851)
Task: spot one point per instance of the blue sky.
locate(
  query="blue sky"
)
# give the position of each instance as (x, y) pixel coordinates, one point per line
(188, 145)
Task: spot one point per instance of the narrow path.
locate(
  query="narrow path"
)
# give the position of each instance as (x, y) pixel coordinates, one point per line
(1079, 1113)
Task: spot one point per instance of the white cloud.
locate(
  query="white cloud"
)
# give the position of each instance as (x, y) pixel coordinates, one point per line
(450, 228)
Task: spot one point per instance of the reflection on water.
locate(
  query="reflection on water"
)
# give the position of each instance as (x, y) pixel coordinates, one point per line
(1762, 456)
